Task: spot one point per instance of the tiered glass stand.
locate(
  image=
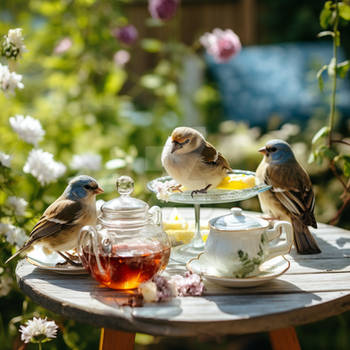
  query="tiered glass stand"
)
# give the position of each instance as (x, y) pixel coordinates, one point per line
(185, 252)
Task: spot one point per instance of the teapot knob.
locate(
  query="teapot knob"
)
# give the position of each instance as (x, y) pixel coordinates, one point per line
(156, 215)
(236, 211)
(125, 185)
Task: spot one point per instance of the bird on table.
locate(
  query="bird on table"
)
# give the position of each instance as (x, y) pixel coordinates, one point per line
(192, 161)
(291, 197)
(58, 228)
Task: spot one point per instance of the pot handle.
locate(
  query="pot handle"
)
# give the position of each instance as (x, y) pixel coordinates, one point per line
(279, 247)
(89, 232)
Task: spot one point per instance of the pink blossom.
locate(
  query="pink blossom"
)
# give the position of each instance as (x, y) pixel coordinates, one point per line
(121, 58)
(64, 45)
(127, 34)
(190, 284)
(221, 44)
(162, 9)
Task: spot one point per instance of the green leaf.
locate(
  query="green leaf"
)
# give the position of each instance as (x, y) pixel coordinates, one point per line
(326, 15)
(151, 81)
(342, 68)
(115, 81)
(152, 45)
(344, 11)
(325, 33)
(319, 77)
(346, 168)
(328, 152)
(320, 133)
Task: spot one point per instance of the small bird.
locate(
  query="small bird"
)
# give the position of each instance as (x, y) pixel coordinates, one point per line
(58, 228)
(291, 197)
(192, 161)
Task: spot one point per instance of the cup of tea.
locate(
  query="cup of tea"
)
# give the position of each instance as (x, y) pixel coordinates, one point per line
(238, 244)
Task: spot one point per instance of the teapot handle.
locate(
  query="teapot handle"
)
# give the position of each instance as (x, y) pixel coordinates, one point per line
(155, 215)
(91, 233)
(279, 248)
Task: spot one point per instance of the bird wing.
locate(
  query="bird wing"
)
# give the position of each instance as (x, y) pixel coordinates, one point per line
(211, 156)
(292, 187)
(56, 217)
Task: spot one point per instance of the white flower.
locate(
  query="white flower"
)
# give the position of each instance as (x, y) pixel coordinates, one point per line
(121, 58)
(43, 167)
(5, 159)
(149, 292)
(14, 235)
(64, 45)
(38, 329)
(5, 285)
(163, 189)
(13, 45)
(86, 161)
(9, 81)
(28, 129)
(18, 204)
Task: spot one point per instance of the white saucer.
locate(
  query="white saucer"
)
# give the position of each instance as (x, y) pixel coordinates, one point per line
(49, 263)
(269, 270)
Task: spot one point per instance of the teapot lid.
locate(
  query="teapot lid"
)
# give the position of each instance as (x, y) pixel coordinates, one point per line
(237, 221)
(124, 204)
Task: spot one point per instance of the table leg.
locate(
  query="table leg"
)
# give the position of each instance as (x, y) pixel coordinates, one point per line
(116, 340)
(284, 339)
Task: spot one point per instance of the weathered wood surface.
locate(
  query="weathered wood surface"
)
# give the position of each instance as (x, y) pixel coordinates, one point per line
(315, 287)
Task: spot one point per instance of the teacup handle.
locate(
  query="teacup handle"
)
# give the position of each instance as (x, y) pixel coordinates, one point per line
(276, 249)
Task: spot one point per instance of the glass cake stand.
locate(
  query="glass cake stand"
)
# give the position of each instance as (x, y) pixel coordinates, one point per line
(185, 252)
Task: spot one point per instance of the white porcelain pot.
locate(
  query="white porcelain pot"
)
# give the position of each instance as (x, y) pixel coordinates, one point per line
(238, 244)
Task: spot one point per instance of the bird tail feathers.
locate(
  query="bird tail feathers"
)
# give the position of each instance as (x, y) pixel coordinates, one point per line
(23, 249)
(304, 242)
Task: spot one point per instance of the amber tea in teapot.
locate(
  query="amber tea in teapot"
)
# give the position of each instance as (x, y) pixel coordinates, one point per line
(128, 245)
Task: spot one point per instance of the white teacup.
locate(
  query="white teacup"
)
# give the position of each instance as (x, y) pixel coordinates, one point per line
(238, 244)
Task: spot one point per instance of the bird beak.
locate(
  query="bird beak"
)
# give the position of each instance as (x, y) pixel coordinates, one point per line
(98, 190)
(263, 150)
(176, 146)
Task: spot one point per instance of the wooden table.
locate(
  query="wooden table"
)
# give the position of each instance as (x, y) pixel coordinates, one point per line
(315, 287)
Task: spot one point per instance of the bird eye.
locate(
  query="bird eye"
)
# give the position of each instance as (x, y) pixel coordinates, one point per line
(88, 187)
(273, 149)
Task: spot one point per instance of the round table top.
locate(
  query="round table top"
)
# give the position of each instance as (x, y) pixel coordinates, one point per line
(315, 287)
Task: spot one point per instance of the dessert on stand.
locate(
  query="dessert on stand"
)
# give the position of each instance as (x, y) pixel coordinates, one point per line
(237, 186)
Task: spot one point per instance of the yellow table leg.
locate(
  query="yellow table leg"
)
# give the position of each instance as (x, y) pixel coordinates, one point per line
(116, 340)
(284, 339)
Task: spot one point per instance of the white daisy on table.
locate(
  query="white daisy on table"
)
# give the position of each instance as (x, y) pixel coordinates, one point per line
(18, 204)
(9, 81)
(43, 167)
(5, 159)
(28, 128)
(86, 161)
(38, 330)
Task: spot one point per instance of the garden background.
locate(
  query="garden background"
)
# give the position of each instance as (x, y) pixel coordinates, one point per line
(120, 108)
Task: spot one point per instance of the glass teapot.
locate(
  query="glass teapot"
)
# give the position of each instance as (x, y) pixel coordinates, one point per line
(128, 245)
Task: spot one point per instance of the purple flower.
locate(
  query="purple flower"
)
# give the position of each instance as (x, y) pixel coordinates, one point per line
(127, 34)
(221, 44)
(162, 9)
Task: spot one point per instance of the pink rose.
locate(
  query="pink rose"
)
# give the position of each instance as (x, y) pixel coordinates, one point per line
(221, 44)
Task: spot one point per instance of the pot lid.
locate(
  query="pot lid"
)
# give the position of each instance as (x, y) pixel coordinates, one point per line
(124, 203)
(237, 221)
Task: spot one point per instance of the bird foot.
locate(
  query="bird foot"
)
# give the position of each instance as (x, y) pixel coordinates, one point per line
(203, 190)
(268, 218)
(176, 188)
(70, 259)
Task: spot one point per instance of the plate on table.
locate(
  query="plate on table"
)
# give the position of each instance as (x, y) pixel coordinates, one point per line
(269, 270)
(51, 262)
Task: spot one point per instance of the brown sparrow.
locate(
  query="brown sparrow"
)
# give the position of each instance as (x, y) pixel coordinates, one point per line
(291, 197)
(59, 227)
(192, 161)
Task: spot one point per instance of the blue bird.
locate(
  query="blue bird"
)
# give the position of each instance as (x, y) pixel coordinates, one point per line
(291, 197)
(58, 228)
